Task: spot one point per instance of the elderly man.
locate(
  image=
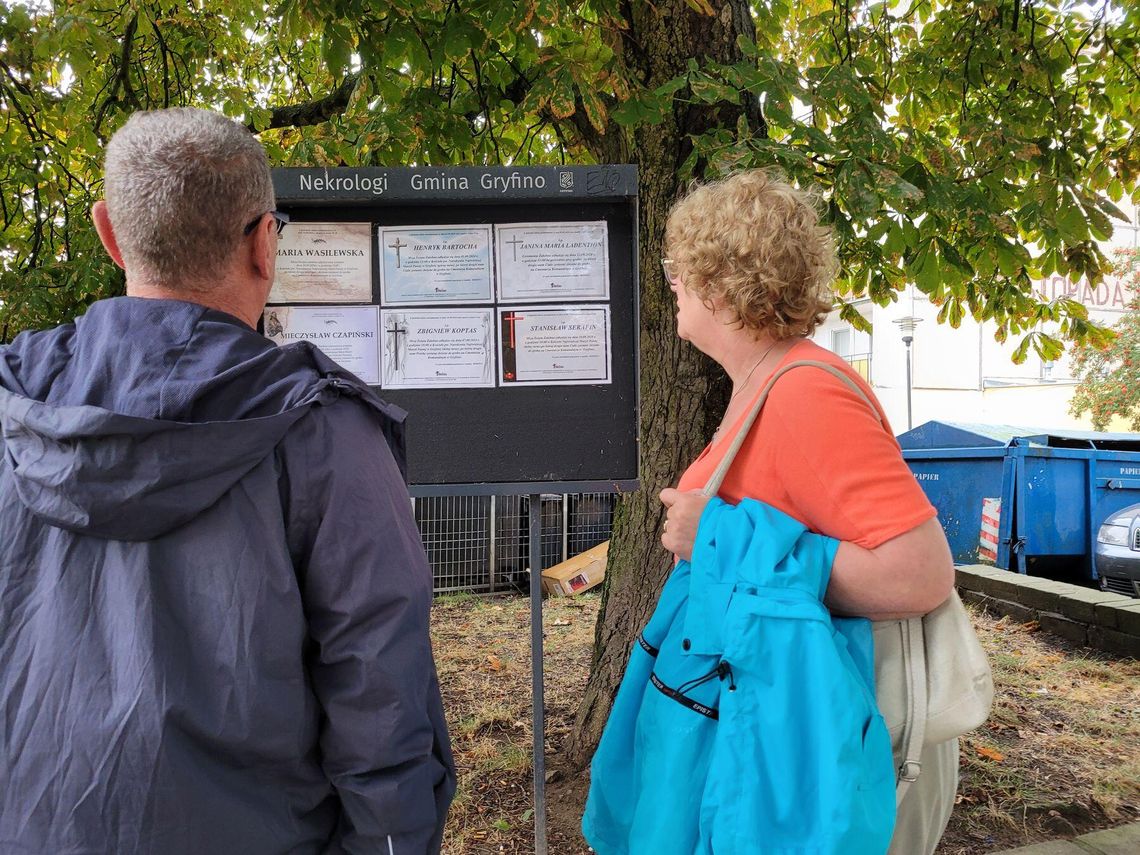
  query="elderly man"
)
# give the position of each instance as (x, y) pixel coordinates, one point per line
(213, 597)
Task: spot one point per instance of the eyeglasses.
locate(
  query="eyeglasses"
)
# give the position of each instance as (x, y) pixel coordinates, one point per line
(282, 221)
(672, 271)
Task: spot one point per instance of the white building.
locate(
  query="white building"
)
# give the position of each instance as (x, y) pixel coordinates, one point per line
(963, 374)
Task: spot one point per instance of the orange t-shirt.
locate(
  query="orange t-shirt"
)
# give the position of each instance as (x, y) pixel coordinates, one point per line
(817, 453)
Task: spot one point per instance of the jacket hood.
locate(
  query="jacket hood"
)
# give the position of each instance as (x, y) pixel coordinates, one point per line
(142, 414)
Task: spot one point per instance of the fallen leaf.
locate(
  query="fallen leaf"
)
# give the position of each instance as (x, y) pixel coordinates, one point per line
(991, 754)
(495, 663)
(561, 622)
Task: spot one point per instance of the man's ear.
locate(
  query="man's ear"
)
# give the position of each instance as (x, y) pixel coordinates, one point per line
(263, 252)
(102, 220)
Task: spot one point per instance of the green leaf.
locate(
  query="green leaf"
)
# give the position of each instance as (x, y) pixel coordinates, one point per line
(1049, 348)
(629, 113)
(456, 37)
(1112, 210)
(672, 87)
(701, 6)
(562, 99)
(336, 48)
(595, 110)
(853, 183)
(895, 244)
(853, 316)
(1070, 220)
(954, 257)
(924, 270)
(712, 91)
(1008, 261)
(1022, 351)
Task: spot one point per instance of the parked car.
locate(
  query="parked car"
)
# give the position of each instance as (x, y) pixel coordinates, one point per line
(1118, 552)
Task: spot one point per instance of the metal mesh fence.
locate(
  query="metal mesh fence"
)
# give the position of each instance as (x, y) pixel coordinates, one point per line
(481, 544)
(456, 534)
(590, 520)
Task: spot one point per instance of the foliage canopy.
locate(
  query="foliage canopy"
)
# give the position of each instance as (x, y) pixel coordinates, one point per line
(969, 147)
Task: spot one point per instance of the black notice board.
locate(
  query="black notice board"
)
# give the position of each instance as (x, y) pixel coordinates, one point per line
(503, 440)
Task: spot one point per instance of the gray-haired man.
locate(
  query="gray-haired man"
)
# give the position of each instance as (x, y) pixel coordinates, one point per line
(213, 597)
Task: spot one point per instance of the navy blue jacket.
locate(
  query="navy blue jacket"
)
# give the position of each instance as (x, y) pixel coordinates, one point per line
(213, 599)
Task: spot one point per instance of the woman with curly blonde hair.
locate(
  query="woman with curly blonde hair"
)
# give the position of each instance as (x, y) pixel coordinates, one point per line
(751, 268)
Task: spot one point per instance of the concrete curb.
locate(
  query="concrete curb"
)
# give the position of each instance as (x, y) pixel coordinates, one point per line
(1109, 622)
(1124, 840)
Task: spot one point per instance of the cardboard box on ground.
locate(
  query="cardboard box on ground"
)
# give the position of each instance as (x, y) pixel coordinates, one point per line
(577, 574)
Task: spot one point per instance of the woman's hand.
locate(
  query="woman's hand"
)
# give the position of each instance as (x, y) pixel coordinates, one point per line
(682, 514)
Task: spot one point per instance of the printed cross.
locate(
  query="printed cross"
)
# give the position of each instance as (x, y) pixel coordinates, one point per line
(397, 246)
(511, 317)
(396, 330)
(514, 242)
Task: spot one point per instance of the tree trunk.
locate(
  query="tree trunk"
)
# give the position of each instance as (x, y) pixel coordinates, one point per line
(682, 392)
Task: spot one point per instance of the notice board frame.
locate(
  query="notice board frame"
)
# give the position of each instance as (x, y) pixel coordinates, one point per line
(470, 195)
(541, 439)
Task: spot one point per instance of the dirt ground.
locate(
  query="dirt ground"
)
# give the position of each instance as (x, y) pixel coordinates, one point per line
(1060, 755)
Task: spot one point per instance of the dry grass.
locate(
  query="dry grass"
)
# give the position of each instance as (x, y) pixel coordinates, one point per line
(1060, 755)
(1066, 727)
(482, 648)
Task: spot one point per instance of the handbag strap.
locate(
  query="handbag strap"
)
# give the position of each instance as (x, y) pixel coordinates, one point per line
(917, 707)
(914, 642)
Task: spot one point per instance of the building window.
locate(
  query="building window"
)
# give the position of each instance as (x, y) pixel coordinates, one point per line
(855, 348)
(841, 342)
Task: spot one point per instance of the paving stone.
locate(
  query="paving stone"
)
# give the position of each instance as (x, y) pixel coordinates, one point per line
(1128, 617)
(1043, 597)
(1080, 603)
(1105, 614)
(1052, 847)
(1005, 586)
(1100, 619)
(999, 607)
(1114, 641)
(1124, 840)
(979, 570)
(1074, 631)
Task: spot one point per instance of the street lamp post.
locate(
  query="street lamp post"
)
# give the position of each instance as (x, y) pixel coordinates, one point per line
(907, 326)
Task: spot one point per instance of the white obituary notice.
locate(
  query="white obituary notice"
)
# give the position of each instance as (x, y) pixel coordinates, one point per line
(349, 335)
(438, 348)
(323, 263)
(435, 264)
(553, 262)
(554, 345)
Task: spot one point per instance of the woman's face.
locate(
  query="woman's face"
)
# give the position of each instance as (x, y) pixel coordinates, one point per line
(697, 322)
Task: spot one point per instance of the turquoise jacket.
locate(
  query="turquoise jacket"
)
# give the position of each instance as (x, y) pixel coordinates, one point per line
(746, 721)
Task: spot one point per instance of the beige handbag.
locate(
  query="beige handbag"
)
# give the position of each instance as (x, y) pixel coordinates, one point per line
(932, 682)
(932, 677)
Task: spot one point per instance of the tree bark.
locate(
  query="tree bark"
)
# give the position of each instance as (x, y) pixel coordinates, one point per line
(682, 391)
(312, 112)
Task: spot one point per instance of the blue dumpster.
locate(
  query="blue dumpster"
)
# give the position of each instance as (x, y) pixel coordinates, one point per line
(1055, 487)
